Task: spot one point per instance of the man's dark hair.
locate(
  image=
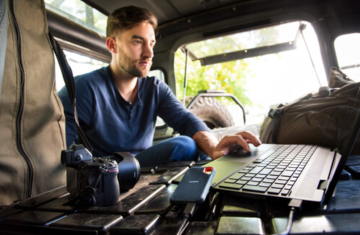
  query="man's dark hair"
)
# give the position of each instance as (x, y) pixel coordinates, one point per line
(126, 17)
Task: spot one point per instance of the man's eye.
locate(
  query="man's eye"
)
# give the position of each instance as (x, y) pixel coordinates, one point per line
(137, 42)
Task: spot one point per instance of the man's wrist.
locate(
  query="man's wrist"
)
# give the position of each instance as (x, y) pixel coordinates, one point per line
(206, 141)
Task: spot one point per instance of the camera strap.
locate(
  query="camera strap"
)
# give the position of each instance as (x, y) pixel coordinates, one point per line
(70, 86)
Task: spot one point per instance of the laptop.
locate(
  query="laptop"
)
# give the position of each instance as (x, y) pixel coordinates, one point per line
(305, 172)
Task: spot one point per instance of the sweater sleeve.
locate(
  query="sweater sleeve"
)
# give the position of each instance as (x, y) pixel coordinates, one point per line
(173, 112)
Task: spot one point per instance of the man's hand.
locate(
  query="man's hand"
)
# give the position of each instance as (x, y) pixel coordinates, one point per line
(207, 142)
(233, 142)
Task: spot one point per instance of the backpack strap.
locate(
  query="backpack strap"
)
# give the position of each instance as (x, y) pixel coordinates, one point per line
(275, 115)
(70, 86)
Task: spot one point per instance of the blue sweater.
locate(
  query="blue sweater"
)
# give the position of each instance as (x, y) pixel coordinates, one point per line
(110, 123)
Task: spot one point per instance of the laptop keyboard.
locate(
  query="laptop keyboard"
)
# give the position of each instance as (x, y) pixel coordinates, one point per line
(274, 172)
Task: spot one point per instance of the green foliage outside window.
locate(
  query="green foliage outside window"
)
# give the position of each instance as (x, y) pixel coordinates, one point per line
(229, 76)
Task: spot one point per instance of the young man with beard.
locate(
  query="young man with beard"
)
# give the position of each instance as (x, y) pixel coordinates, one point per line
(118, 105)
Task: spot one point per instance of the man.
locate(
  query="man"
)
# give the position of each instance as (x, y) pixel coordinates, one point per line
(118, 105)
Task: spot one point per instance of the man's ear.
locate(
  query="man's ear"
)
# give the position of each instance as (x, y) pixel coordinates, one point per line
(111, 44)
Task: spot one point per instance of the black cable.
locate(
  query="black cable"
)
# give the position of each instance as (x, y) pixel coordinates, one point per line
(188, 212)
(294, 203)
(289, 223)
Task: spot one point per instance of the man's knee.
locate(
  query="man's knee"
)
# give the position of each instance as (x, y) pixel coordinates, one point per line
(184, 149)
(184, 141)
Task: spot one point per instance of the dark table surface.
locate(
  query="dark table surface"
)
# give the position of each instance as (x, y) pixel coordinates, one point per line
(146, 209)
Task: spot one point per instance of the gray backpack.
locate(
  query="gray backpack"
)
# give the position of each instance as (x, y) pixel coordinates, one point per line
(32, 122)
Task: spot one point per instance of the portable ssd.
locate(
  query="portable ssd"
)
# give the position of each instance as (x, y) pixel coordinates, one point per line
(194, 186)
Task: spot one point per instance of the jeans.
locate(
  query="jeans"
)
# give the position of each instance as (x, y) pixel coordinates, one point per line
(180, 148)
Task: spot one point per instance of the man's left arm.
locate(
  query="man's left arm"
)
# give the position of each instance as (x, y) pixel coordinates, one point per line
(208, 143)
(185, 122)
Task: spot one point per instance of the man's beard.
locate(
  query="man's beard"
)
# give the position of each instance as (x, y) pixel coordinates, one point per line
(131, 66)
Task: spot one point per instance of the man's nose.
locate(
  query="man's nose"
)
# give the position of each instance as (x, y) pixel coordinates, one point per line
(148, 51)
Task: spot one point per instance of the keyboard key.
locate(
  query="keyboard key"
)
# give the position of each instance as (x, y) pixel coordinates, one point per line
(229, 181)
(246, 178)
(273, 177)
(249, 175)
(252, 165)
(257, 179)
(288, 187)
(270, 181)
(275, 173)
(279, 186)
(230, 186)
(287, 173)
(265, 171)
(241, 182)
(274, 191)
(263, 184)
(283, 182)
(277, 170)
(285, 192)
(284, 178)
(236, 176)
(256, 170)
(260, 177)
(254, 188)
(253, 183)
(294, 165)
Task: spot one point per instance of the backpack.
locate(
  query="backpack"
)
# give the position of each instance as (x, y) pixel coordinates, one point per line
(324, 118)
(32, 121)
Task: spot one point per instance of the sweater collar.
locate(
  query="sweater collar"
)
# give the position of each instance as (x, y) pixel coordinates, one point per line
(140, 81)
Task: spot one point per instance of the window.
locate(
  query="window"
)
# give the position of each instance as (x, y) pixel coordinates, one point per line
(270, 36)
(157, 73)
(80, 13)
(262, 67)
(79, 65)
(86, 16)
(347, 50)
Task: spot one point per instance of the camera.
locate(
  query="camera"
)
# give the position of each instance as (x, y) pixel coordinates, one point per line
(98, 181)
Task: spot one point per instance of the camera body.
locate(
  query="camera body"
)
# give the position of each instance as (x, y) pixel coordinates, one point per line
(96, 181)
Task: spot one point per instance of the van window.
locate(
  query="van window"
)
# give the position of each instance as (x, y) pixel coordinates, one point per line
(79, 64)
(80, 13)
(347, 50)
(262, 67)
(158, 74)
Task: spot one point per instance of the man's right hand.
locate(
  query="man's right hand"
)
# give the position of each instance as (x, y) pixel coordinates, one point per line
(233, 142)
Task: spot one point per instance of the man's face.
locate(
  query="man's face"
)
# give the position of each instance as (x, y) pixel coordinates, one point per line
(135, 50)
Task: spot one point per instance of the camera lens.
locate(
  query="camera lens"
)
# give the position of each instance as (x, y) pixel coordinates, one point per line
(129, 170)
